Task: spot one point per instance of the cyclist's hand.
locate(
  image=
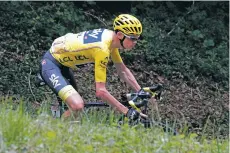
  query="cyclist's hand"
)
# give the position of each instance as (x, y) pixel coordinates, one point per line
(132, 114)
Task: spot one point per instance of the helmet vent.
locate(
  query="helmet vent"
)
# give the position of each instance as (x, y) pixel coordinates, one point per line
(131, 21)
(121, 23)
(131, 28)
(127, 29)
(139, 28)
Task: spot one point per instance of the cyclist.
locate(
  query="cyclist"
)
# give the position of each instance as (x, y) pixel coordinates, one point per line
(94, 46)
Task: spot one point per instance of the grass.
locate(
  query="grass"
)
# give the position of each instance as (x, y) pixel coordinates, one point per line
(21, 133)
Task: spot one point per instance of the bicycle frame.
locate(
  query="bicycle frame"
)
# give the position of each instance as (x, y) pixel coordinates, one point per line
(144, 94)
(132, 101)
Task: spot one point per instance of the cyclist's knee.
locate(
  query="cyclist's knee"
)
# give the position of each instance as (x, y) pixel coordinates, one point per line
(76, 105)
(71, 97)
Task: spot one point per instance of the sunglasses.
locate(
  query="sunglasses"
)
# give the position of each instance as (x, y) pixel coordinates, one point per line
(132, 38)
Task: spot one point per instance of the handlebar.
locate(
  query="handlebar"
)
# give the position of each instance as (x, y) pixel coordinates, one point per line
(144, 94)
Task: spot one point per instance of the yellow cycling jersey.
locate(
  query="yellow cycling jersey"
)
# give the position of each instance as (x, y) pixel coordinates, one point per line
(86, 47)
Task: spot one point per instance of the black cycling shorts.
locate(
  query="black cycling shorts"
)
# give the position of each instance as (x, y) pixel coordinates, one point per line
(55, 75)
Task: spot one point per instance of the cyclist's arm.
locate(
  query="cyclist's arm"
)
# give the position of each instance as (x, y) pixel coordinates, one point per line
(103, 94)
(101, 60)
(123, 72)
(126, 75)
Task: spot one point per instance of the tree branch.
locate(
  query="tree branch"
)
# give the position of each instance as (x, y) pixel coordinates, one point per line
(174, 27)
(96, 18)
(30, 86)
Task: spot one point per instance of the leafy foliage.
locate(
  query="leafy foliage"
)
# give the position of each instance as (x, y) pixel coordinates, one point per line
(188, 44)
(27, 32)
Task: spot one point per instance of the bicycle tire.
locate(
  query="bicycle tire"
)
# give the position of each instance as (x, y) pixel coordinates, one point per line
(165, 127)
(148, 123)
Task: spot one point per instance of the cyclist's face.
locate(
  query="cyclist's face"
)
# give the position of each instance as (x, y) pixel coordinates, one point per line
(130, 41)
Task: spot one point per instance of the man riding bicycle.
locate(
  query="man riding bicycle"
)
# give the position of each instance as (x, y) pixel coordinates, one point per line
(95, 46)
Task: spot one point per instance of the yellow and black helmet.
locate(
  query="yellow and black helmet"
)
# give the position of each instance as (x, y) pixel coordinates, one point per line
(127, 24)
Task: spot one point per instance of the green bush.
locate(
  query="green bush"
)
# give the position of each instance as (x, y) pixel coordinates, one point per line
(190, 44)
(27, 32)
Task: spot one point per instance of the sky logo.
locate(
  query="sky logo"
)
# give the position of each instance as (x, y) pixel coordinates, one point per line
(54, 79)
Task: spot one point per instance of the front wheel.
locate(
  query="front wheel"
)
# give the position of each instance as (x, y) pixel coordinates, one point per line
(148, 123)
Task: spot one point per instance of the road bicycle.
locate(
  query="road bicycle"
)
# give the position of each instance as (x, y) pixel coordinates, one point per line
(138, 101)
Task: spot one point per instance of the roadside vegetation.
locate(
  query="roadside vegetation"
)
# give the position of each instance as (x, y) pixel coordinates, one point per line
(21, 133)
(184, 46)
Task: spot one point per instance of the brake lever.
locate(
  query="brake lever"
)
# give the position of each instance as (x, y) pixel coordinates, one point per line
(144, 93)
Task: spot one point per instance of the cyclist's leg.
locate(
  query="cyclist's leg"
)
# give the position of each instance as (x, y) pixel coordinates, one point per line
(51, 73)
(69, 75)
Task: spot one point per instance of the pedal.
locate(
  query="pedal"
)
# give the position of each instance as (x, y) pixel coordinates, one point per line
(39, 81)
